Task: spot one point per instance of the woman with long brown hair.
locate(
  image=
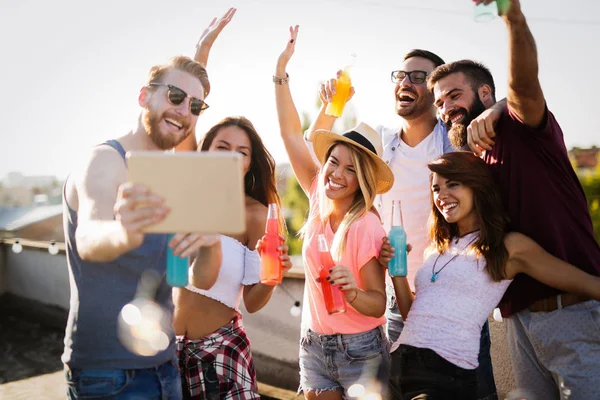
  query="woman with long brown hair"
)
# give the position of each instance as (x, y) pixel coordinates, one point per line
(468, 267)
(214, 351)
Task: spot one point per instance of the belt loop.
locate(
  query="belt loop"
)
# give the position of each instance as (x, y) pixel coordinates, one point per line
(340, 342)
(559, 305)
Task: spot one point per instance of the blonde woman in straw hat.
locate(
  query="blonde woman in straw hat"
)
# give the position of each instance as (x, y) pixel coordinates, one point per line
(338, 350)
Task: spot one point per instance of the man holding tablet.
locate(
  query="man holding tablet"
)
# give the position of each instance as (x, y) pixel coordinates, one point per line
(105, 218)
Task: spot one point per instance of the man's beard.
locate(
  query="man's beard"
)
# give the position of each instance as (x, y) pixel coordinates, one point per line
(457, 133)
(151, 122)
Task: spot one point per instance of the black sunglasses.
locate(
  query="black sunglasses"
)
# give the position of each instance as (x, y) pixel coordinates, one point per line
(415, 77)
(176, 96)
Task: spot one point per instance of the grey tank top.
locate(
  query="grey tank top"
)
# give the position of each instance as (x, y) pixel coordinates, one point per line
(98, 292)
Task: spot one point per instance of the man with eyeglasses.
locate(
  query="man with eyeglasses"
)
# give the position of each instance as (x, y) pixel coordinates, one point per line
(419, 139)
(107, 251)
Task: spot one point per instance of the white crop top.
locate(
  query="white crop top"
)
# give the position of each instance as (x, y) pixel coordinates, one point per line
(240, 266)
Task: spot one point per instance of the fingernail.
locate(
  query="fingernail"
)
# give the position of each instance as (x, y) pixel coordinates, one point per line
(328, 278)
(331, 270)
(292, 41)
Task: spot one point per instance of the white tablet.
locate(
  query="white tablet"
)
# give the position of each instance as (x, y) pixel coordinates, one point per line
(204, 190)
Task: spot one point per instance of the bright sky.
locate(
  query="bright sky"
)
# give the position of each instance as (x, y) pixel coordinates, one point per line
(72, 69)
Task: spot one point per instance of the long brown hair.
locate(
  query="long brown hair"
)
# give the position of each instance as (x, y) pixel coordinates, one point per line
(471, 171)
(259, 182)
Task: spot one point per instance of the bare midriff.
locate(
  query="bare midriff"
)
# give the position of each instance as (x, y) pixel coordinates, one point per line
(197, 316)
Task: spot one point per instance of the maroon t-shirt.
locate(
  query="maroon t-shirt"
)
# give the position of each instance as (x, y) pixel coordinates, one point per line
(544, 200)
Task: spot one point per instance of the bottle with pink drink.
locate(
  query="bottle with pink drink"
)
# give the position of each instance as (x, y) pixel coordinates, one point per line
(270, 262)
(335, 302)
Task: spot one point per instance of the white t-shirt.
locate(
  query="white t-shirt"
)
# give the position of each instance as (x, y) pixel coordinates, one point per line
(411, 187)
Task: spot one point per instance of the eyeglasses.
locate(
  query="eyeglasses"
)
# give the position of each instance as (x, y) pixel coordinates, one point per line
(415, 77)
(176, 96)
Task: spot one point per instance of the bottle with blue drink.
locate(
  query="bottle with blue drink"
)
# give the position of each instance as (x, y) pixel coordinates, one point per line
(177, 267)
(398, 265)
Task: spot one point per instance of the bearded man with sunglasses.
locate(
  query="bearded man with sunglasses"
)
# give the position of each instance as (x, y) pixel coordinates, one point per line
(107, 251)
(419, 139)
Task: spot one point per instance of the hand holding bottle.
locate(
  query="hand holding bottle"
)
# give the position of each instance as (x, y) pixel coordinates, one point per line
(342, 277)
(335, 301)
(271, 268)
(179, 248)
(336, 92)
(286, 262)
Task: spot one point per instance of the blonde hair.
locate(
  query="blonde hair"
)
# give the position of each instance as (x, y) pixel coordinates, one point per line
(184, 64)
(322, 207)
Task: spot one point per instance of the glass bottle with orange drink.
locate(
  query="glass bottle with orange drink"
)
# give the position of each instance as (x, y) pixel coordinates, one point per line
(335, 302)
(270, 258)
(335, 108)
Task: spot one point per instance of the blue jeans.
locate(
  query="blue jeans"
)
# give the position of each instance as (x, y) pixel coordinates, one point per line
(486, 386)
(158, 383)
(335, 362)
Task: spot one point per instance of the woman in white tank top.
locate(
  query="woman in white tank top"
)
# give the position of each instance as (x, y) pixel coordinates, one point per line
(470, 263)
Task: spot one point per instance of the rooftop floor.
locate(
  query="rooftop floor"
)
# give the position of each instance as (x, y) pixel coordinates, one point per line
(31, 368)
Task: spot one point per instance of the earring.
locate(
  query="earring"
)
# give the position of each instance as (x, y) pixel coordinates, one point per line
(253, 181)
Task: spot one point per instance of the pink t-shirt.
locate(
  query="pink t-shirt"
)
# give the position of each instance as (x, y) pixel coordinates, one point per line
(363, 243)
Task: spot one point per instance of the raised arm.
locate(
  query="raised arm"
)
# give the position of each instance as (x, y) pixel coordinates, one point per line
(203, 46)
(290, 126)
(528, 257)
(525, 96)
(210, 34)
(110, 215)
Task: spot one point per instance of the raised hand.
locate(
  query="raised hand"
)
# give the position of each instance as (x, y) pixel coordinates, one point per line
(327, 90)
(509, 9)
(136, 208)
(286, 55)
(210, 34)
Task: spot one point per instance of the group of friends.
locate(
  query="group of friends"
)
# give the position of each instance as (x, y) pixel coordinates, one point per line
(493, 210)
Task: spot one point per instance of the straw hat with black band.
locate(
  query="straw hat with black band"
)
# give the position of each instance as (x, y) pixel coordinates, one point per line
(364, 137)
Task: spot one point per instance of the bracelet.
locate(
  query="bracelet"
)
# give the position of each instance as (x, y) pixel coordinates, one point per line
(281, 81)
(354, 299)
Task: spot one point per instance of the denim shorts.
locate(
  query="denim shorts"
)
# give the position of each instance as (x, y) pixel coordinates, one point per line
(159, 383)
(335, 362)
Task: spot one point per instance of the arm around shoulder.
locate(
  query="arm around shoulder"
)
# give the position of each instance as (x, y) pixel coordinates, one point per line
(528, 257)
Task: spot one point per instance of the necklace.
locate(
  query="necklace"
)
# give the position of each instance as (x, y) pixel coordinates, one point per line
(435, 274)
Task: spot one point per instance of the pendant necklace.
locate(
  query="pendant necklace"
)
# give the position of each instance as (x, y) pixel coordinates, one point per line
(435, 274)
